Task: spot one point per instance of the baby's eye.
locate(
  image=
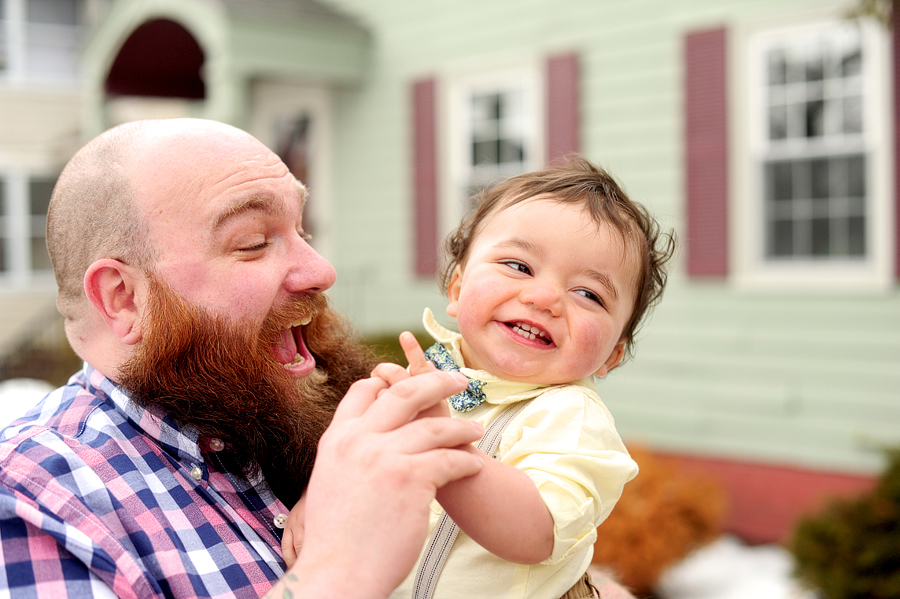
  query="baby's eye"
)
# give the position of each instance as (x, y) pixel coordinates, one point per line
(590, 295)
(516, 265)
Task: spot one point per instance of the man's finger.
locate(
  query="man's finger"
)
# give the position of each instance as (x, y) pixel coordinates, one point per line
(442, 466)
(403, 401)
(390, 372)
(359, 398)
(427, 434)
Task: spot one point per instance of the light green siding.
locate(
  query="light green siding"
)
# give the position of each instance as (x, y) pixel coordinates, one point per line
(810, 380)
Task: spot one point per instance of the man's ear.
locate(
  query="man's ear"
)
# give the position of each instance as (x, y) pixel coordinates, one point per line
(613, 360)
(453, 292)
(116, 292)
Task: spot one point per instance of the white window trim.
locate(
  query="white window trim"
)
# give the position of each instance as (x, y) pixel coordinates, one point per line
(16, 29)
(454, 89)
(748, 268)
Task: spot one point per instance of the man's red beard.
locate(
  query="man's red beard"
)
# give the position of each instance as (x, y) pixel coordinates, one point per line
(216, 376)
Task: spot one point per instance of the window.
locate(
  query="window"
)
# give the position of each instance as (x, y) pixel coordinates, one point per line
(40, 40)
(812, 184)
(494, 128)
(23, 219)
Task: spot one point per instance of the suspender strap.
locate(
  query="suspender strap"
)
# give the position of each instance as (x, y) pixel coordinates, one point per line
(444, 533)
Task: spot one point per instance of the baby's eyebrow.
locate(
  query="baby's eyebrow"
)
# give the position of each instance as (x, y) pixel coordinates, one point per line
(515, 242)
(604, 280)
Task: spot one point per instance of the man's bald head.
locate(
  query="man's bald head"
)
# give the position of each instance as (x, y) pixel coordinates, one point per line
(98, 210)
(93, 214)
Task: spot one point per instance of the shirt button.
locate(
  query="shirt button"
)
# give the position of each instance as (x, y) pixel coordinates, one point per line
(280, 520)
(216, 444)
(196, 473)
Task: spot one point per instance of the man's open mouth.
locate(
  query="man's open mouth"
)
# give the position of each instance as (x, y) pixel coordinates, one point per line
(291, 350)
(530, 332)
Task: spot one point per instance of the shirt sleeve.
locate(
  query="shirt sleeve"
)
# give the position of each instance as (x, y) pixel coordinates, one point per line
(566, 442)
(35, 563)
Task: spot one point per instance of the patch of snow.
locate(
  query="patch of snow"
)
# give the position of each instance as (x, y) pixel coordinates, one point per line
(17, 396)
(729, 569)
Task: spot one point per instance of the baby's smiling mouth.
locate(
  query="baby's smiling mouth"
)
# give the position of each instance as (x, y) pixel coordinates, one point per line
(530, 332)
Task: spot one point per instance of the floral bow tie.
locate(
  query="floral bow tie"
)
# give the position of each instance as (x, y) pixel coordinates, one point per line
(466, 400)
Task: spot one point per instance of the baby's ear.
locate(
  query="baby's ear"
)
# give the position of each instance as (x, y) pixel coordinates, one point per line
(453, 290)
(615, 357)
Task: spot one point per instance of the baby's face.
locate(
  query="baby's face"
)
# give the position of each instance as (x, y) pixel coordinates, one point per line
(544, 295)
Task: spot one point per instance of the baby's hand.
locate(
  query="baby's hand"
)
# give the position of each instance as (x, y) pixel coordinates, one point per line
(292, 538)
(418, 364)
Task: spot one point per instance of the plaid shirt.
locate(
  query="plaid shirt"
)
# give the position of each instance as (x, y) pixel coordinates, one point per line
(98, 498)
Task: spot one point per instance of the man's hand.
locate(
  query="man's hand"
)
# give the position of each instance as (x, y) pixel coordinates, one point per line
(292, 536)
(377, 470)
(418, 364)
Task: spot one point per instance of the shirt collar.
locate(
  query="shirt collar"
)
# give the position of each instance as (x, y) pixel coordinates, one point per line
(496, 390)
(181, 442)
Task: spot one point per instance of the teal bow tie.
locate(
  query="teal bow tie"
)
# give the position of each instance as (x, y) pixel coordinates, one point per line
(473, 396)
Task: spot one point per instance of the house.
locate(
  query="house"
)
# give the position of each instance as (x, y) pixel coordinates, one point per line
(763, 132)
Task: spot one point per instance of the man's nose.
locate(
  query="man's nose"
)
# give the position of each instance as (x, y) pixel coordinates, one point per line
(310, 272)
(543, 296)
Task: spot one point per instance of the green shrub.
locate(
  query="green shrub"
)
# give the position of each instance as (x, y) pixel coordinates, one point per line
(852, 550)
(387, 346)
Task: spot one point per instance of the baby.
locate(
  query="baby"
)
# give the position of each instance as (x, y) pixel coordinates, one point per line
(548, 281)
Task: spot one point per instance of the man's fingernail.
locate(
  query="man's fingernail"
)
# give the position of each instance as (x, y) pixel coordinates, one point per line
(460, 377)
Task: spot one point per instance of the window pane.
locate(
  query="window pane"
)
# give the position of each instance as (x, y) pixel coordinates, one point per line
(856, 177)
(856, 226)
(819, 183)
(40, 191)
(821, 236)
(486, 152)
(852, 115)
(781, 239)
(851, 61)
(814, 65)
(777, 67)
(780, 181)
(58, 12)
(511, 151)
(815, 118)
(778, 122)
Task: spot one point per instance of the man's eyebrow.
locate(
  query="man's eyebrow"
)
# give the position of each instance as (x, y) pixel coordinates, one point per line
(261, 204)
(232, 211)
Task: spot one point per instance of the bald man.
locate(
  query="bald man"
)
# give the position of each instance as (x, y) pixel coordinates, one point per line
(213, 367)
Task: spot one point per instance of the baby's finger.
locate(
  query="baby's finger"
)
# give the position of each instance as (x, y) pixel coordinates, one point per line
(418, 363)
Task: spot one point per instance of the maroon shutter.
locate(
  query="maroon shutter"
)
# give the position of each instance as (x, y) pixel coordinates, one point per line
(706, 153)
(562, 106)
(425, 177)
(895, 26)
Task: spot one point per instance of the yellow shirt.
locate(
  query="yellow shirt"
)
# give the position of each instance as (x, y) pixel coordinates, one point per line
(565, 440)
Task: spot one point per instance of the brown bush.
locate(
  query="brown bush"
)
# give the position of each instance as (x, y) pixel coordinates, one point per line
(663, 515)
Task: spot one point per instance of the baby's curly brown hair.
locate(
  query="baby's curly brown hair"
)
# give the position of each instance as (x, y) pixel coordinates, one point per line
(577, 181)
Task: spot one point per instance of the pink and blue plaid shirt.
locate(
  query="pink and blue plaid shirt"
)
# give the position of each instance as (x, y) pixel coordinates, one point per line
(99, 498)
